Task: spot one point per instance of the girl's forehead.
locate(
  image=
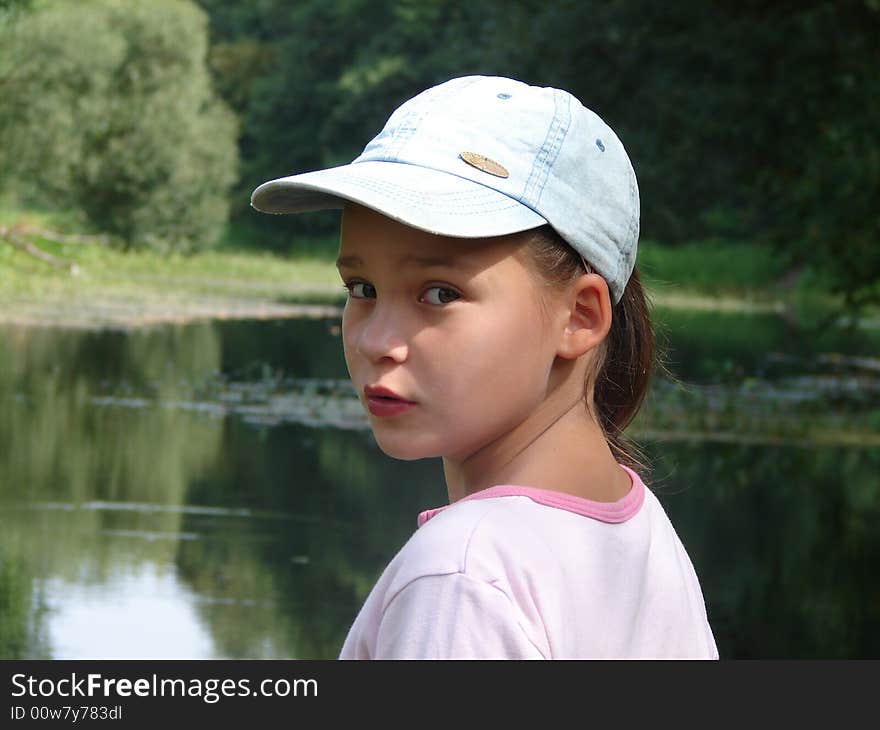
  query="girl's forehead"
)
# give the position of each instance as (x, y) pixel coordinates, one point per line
(368, 235)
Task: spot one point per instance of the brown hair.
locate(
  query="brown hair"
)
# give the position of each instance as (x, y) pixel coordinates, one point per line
(617, 383)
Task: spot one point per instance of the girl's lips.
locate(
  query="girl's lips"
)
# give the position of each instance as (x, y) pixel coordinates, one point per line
(380, 391)
(387, 406)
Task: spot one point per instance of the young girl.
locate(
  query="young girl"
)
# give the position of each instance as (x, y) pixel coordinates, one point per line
(495, 319)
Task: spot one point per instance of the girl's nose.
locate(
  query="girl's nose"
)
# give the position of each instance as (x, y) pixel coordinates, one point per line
(382, 335)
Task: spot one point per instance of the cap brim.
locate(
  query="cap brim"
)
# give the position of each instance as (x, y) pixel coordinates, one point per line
(431, 200)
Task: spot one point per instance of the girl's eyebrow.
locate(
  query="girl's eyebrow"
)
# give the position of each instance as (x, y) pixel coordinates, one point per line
(423, 261)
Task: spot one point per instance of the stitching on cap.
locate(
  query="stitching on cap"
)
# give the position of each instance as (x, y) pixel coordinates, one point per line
(408, 124)
(562, 133)
(549, 151)
(634, 220)
(413, 120)
(461, 208)
(452, 197)
(623, 250)
(487, 194)
(490, 191)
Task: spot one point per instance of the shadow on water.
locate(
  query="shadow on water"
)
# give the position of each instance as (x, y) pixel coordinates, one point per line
(213, 490)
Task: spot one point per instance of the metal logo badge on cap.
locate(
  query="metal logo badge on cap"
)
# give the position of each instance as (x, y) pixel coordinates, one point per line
(481, 162)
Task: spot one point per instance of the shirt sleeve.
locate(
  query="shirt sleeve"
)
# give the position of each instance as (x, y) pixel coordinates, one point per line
(452, 616)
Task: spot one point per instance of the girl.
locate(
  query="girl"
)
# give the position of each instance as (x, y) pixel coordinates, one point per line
(495, 319)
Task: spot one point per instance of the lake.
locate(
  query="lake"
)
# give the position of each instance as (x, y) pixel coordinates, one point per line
(212, 490)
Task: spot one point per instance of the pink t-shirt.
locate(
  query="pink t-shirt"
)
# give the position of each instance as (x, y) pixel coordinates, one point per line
(519, 572)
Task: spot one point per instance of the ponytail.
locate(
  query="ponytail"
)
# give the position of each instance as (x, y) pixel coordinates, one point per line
(625, 372)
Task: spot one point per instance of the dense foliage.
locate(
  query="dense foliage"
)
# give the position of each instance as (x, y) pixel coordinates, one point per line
(745, 120)
(107, 107)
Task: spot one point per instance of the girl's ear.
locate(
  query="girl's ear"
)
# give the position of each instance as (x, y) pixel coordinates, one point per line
(586, 312)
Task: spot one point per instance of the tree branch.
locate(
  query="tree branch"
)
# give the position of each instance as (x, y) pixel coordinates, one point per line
(28, 230)
(14, 236)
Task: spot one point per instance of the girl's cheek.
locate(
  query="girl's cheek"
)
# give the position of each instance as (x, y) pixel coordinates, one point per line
(349, 319)
(348, 335)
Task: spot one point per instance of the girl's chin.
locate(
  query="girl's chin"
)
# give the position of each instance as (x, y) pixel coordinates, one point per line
(403, 448)
(404, 454)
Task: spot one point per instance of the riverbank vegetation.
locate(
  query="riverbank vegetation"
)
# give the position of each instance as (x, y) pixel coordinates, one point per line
(89, 283)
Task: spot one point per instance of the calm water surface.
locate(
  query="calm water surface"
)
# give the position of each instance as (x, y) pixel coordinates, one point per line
(213, 491)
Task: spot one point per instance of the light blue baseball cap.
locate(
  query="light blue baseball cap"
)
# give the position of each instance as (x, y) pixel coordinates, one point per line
(481, 156)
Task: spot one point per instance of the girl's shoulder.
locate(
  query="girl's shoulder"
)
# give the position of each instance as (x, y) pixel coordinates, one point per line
(510, 528)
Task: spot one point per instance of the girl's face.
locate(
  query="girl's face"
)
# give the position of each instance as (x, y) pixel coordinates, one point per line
(462, 338)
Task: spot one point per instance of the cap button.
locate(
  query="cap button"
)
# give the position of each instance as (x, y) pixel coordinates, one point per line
(483, 163)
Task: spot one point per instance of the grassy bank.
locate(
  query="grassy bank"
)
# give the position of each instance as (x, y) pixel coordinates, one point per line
(109, 287)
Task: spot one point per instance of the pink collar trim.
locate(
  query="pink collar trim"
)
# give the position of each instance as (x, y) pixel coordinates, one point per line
(619, 511)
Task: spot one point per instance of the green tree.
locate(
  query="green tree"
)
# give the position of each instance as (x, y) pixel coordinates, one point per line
(107, 107)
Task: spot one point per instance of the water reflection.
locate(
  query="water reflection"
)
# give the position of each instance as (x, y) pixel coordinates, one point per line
(784, 541)
(212, 490)
(118, 605)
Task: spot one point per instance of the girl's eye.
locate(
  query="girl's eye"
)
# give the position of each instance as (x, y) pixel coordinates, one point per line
(444, 294)
(351, 287)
